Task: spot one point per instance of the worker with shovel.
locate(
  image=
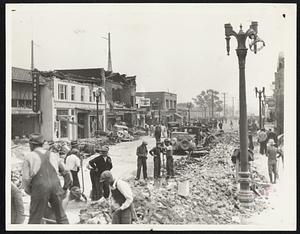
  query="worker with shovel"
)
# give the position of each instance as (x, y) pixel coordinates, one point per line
(121, 199)
(40, 180)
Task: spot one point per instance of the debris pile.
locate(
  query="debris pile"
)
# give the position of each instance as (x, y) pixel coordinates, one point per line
(213, 193)
(96, 213)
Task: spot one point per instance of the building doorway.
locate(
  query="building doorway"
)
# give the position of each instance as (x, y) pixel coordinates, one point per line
(81, 122)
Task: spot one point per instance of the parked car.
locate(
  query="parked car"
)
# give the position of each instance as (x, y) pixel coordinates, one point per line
(184, 142)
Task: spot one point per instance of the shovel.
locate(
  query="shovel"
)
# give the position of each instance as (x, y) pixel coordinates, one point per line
(82, 193)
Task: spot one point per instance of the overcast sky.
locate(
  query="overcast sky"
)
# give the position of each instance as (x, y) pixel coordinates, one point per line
(178, 48)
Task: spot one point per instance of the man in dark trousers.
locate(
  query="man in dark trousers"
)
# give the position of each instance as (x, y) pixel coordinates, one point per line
(169, 156)
(40, 180)
(156, 153)
(272, 135)
(157, 133)
(97, 165)
(141, 153)
(17, 205)
(262, 139)
(121, 199)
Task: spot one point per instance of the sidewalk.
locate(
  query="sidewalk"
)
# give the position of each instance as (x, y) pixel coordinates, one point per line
(278, 215)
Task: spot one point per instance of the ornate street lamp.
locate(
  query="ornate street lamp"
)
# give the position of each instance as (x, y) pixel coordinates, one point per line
(260, 92)
(245, 195)
(97, 95)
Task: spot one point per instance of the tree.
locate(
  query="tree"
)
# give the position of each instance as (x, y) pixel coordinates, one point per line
(209, 99)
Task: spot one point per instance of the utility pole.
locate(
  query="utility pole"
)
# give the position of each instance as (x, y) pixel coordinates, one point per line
(224, 95)
(109, 67)
(260, 92)
(32, 60)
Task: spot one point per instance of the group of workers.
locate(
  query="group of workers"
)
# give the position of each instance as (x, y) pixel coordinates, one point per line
(49, 199)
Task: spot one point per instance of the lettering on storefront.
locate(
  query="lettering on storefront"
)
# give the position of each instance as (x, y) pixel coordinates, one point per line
(35, 91)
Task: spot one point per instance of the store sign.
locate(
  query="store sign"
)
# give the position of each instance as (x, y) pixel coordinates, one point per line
(143, 102)
(35, 91)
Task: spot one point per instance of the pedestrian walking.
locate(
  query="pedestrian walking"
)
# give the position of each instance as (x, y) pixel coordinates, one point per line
(231, 124)
(220, 125)
(73, 163)
(141, 153)
(40, 180)
(121, 199)
(17, 206)
(272, 135)
(156, 153)
(170, 160)
(157, 133)
(262, 139)
(250, 141)
(272, 153)
(102, 162)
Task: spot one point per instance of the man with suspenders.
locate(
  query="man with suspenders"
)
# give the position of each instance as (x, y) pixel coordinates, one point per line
(40, 180)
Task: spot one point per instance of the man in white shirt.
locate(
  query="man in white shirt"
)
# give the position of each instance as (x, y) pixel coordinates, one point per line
(72, 162)
(121, 199)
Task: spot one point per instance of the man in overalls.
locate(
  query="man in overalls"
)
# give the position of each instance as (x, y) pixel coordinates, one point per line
(121, 199)
(40, 180)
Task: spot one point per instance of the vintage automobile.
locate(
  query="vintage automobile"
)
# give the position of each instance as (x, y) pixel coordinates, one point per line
(184, 142)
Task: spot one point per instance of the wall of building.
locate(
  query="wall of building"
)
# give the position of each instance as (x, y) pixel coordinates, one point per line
(162, 97)
(279, 96)
(46, 107)
(128, 95)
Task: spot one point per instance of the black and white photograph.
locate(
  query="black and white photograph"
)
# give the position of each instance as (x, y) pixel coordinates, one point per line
(160, 116)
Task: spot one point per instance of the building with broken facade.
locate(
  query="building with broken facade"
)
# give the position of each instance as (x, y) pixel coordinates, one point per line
(67, 109)
(23, 120)
(279, 95)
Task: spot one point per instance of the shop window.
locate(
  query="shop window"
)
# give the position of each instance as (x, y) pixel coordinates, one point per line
(62, 92)
(63, 129)
(62, 112)
(91, 94)
(72, 93)
(82, 94)
(14, 103)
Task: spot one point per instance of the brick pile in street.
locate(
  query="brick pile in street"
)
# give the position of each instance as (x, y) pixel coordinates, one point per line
(212, 197)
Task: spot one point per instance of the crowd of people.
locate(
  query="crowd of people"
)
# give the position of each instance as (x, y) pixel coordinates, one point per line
(49, 199)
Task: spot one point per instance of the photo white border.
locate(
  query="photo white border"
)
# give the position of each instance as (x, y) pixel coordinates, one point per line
(289, 141)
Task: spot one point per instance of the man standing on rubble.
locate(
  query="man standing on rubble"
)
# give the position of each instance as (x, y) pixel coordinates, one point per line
(157, 133)
(170, 160)
(156, 153)
(121, 199)
(141, 153)
(262, 139)
(40, 180)
(98, 165)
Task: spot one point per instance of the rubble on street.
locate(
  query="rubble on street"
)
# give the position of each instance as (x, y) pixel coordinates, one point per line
(212, 199)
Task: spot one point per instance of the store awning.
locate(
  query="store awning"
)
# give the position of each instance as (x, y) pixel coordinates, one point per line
(82, 110)
(66, 119)
(23, 111)
(178, 115)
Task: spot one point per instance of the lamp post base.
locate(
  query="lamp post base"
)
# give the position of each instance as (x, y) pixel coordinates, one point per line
(245, 194)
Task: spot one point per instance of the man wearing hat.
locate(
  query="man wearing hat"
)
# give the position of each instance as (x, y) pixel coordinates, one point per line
(169, 156)
(121, 199)
(40, 180)
(97, 165)
(73, 163)
(272, 153)
(156, 153)
(141, 153)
